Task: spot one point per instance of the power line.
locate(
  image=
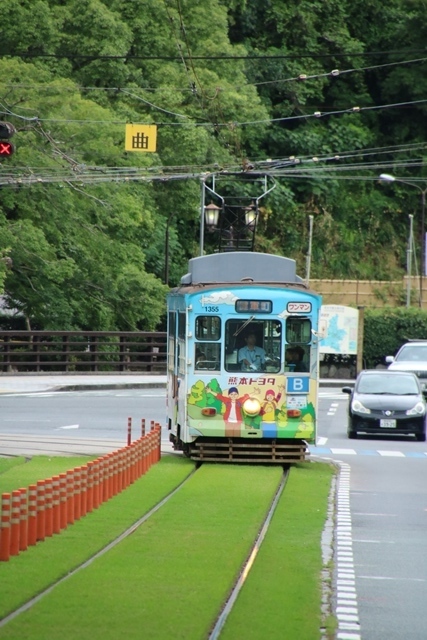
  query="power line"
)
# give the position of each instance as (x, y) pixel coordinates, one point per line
(178, 58)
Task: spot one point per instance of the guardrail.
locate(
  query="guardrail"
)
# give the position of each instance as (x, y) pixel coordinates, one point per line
(77, 351)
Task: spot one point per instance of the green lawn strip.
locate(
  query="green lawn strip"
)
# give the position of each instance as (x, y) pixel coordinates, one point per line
(281, 597)
(7, 463)
(33, 570)
(24, 472)
(171, 576)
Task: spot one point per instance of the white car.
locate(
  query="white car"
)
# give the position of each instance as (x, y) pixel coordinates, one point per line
(412, 356)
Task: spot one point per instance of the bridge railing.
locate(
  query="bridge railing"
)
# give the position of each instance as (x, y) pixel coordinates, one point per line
(78, 351)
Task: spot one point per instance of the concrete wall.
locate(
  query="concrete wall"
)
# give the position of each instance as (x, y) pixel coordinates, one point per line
(371, 293)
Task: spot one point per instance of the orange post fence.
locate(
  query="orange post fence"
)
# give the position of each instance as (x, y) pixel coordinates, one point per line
(32, 514)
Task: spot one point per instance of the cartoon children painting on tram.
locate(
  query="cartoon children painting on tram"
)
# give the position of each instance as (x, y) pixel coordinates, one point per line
(233, 417)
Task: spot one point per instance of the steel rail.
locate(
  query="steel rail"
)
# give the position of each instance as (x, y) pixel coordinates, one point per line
(219, 624)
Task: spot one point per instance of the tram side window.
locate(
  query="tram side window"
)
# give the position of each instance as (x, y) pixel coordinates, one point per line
(171, 339)
(297, 349)
(253, 346)
(207, 356)
(208, 328)
(181, 342)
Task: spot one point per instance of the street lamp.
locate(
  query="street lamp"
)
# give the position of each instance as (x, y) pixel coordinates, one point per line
(387, 177)
(251, 216)
(212, 215)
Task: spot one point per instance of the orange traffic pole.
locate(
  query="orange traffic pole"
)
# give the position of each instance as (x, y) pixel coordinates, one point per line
(131, 460)
(70, 496)
(96, 464)
(105, 467)
(152, 443)
(129, 431)
(121, 468)
(145, 453)
(77, 491)
(56, 505)
(139, 454)
(83, 490)
(142, 427)
(14, 529)
(89, 499)
(105, 472)
(41, 515)
(63, 500)
(23, 520)
(114, 469)
(5, 527)
(158, 442)
(48, 507)
(32, 514)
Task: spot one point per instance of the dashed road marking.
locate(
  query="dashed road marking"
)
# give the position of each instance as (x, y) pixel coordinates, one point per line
(346, 610)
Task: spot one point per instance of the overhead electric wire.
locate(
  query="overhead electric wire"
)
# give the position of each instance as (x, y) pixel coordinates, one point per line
(303, 76)
(296, 56)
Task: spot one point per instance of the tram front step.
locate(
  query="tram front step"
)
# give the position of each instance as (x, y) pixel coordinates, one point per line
(265, 453)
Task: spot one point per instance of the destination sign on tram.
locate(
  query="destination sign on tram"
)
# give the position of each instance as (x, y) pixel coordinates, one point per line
(258, 306)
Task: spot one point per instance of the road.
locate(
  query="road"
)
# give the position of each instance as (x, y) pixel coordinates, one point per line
(385, 556)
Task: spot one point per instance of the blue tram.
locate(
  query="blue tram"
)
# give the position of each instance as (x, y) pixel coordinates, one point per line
(242, 371)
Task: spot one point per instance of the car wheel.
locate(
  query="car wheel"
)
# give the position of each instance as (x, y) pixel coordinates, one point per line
(421, 437)
(352, 434)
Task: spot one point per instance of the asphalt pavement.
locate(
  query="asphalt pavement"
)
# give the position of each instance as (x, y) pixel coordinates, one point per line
(33, 382)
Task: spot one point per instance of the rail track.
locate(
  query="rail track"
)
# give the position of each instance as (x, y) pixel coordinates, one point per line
(224, 609)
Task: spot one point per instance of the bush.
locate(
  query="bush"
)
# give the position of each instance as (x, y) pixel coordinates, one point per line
(386, 329)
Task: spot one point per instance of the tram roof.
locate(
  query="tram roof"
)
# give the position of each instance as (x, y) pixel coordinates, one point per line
(238, 266)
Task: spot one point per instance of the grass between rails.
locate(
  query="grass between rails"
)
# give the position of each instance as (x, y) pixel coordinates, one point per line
(170, 578)
(283, 592)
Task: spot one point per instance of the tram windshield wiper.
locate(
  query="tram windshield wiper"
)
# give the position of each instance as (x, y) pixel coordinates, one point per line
(245, 324)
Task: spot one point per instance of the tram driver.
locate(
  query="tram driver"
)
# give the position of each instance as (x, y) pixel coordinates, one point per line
(251, 357)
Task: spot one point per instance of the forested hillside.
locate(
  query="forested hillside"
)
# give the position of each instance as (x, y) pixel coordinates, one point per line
(324, 96)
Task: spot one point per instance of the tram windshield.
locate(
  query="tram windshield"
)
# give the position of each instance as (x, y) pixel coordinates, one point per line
(253, 345)
(249, 345)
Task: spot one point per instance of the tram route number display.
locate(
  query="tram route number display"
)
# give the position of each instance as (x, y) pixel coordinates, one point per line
(296, 385)
(298, 307)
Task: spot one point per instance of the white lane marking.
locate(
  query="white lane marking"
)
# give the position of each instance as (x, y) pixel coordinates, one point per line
(390, 578)
(68, 426)
(321, 441)
(347, 452)
(374, 541)
(385, 515)
(391, 454)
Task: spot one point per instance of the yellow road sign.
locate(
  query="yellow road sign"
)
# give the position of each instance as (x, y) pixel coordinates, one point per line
(141, 137)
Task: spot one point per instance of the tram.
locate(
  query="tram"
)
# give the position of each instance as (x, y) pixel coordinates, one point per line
(242, 369)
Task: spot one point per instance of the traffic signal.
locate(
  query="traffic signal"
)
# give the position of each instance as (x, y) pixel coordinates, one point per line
(7, 130)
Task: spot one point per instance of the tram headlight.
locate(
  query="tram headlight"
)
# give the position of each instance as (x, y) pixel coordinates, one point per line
(252, 407)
